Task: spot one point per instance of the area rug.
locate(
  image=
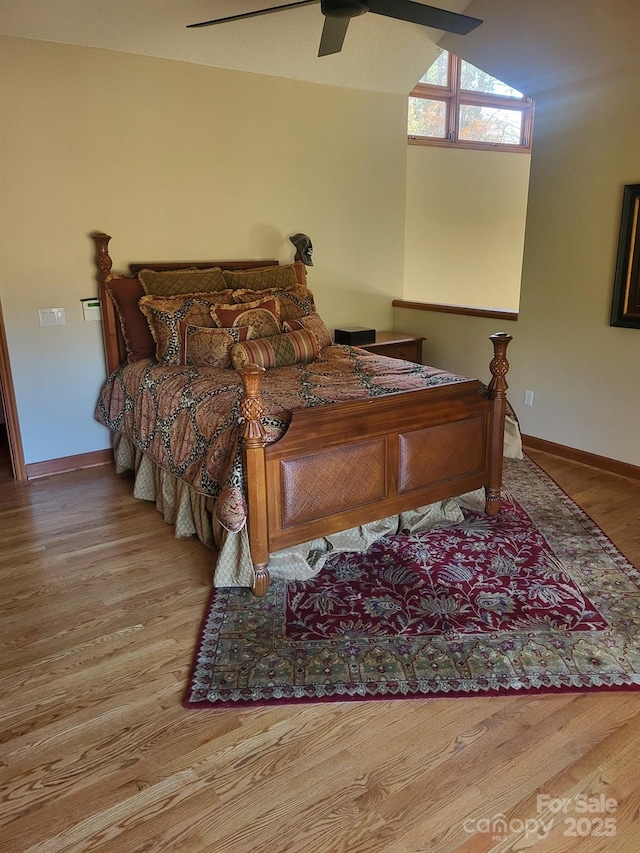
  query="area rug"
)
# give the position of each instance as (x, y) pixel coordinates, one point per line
(537, 599)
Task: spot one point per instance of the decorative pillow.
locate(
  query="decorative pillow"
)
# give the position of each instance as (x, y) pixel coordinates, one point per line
(165, 313)
(263, 278)
(294, 301)
(172, 282)
(277, 351)
(315, 324)
(125, 291)
(209, 347)
(263, 315)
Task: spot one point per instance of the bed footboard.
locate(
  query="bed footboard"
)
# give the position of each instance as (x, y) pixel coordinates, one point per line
(347, 464)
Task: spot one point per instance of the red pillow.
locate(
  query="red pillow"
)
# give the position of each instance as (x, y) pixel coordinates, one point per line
(125, 291)
(262, 315)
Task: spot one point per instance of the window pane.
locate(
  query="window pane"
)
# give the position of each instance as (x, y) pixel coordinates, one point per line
(475, 80)
(438, 73)
(489, 124)
(427, 117)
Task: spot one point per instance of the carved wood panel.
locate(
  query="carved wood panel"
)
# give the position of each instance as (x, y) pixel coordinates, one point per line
(439, 453)
(319, 484)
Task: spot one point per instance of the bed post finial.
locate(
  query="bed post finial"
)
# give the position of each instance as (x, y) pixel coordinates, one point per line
(498, 393)
(252, 409)
(102, 258)
(114, 346)
(499, 366)
(252, 406)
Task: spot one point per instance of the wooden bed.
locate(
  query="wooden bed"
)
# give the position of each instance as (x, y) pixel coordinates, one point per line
(368, 459)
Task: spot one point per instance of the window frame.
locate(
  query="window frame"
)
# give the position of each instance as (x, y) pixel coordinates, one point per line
(454, 96)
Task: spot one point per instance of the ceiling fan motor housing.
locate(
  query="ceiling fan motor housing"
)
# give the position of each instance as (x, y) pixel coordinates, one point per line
(343, 8)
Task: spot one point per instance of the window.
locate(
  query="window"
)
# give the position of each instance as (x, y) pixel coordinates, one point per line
(457, 105)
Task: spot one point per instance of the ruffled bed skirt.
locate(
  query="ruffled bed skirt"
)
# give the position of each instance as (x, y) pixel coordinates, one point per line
(191, 514)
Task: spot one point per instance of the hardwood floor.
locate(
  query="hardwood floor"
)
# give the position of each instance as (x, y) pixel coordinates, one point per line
(100, 611)
(6, 474)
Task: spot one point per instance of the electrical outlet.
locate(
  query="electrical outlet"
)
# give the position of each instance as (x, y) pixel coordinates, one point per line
(528, 398)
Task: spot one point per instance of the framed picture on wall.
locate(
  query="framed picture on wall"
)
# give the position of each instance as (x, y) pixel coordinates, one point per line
(625, 309)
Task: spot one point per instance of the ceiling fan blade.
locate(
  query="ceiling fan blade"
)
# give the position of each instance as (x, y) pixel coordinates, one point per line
(428, 16)
(252, 14)
(333, 33)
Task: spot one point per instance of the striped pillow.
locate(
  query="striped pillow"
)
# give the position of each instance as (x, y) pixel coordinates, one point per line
(277, 351)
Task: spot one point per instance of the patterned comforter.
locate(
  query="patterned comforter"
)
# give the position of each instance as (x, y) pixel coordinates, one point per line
(187, 418)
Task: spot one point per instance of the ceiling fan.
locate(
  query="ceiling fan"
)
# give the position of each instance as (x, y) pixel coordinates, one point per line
(338, 13)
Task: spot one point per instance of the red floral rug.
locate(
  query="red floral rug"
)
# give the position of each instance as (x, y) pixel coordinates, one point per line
(536, 599)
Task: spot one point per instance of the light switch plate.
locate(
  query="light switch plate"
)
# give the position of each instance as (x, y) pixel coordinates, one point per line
(52, 316)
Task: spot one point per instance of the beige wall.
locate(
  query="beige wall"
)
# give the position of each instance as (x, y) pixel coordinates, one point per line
(465, 218)
(180, 160)
(579, 59)
(177, 161)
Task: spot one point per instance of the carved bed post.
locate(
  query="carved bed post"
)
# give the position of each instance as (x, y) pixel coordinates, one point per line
(253, 440)
(110, 322)
(498, 393)
(102, 257)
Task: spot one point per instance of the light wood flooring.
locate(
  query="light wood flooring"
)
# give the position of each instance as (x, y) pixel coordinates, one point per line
(100, 609)
(6, 474)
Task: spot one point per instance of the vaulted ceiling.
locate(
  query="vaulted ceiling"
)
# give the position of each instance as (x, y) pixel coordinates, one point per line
(380, 54)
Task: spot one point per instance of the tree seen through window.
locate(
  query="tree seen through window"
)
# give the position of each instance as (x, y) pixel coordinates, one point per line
(457, 104)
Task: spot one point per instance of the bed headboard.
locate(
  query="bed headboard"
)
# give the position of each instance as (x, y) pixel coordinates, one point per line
(114, 346)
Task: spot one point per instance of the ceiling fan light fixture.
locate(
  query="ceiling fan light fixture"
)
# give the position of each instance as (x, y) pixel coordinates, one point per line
(343, 8)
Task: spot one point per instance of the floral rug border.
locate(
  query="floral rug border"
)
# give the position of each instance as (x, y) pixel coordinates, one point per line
(606, 659)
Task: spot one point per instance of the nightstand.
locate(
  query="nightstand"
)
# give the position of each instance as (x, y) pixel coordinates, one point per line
(397, 345)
